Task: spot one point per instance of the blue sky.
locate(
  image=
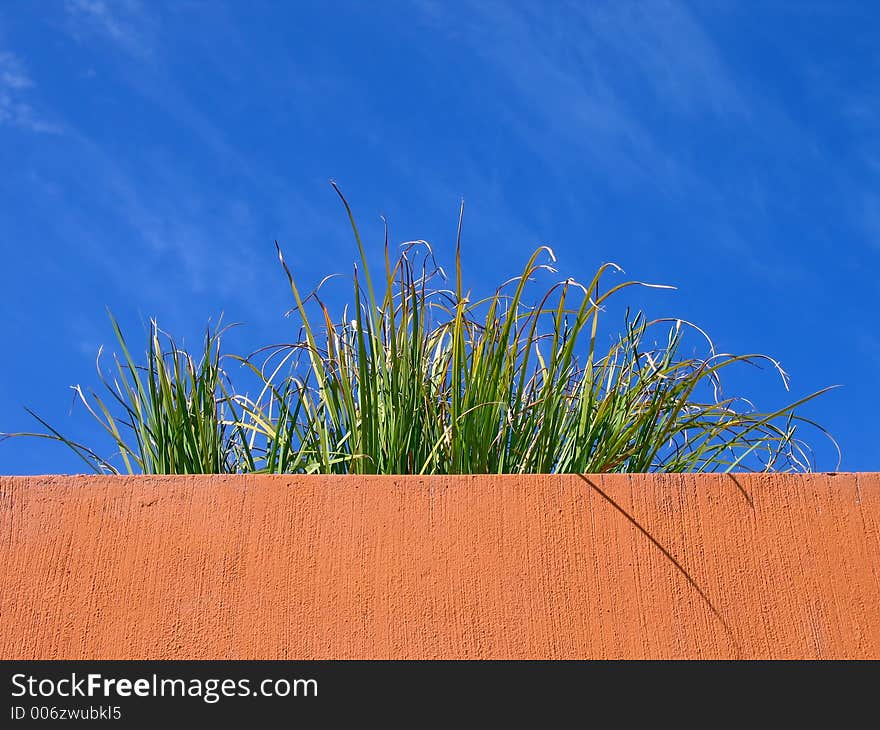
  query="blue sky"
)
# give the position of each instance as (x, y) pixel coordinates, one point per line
(151, 152)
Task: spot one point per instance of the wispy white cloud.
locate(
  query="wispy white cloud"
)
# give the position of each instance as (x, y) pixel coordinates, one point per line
(12, 72)
(126, 23)
(153, 230)
(619, 92)
(585, 77)
(15, 108)
(173, 220)
(675, 58)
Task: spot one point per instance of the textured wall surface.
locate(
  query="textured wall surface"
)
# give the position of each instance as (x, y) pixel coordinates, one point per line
(658, 566)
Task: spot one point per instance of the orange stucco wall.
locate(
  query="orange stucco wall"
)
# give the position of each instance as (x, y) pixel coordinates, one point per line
(657, 566)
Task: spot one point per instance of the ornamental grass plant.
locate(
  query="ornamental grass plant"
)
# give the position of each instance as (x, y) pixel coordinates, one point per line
(415, 376)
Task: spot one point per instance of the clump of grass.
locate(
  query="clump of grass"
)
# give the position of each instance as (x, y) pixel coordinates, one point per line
(173, 415)
(416, 377)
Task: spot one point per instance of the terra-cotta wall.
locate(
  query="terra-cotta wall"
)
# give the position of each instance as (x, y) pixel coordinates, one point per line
(659, 566)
